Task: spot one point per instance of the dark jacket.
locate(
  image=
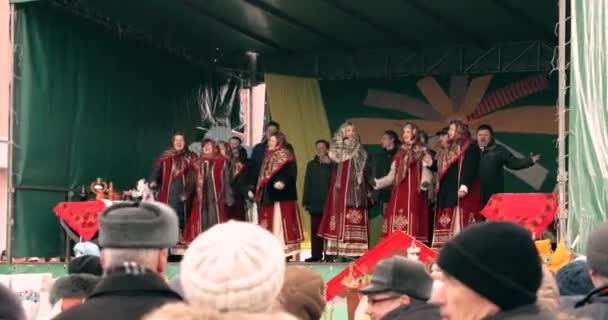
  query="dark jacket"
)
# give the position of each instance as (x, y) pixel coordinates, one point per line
(456, 176)
(286, 175)
(316, 186)
(415, 310)
(122, 294)
(594, 305)
(529, 312)
(493, 158)
(380, 167)
(257, 157)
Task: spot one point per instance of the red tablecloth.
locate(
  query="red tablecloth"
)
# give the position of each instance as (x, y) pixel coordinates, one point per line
(82, 217)
(395, 244)
(533, 211)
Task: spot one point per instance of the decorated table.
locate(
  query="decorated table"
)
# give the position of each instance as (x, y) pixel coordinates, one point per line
(80, 219)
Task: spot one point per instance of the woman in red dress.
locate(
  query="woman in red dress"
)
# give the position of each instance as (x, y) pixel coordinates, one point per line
(277, 196)
(213, 191)
(407, 210)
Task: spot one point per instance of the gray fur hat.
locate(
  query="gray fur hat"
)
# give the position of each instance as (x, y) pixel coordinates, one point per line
(147, 224)
(597, 250)
(73, 285)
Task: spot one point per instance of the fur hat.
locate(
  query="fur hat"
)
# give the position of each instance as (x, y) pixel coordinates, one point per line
(85, 264)
(597, 250)
(10, 306)
(302, 293)
(73, 285)
(146, 224)
(234, 266)
(498, 260)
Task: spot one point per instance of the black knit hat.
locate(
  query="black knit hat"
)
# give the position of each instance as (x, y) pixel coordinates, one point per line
(85, 264)
(498, 260)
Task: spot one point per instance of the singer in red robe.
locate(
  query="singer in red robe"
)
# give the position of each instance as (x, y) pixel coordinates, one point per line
(458, 188)
(345, 222)
(407, 209)
(213, 191)
(277, 196)
(174, 174)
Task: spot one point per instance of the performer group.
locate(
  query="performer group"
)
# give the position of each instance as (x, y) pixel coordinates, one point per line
(430, 195)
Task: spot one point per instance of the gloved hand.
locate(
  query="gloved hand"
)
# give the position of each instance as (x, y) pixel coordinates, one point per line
(279, 185)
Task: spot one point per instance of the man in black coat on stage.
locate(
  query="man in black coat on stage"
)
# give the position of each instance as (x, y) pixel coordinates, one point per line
(493, 158)
(316, 188)
(381, 163)
(135, 238)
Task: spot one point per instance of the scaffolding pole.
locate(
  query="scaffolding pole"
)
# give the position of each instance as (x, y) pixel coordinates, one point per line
(562, 175)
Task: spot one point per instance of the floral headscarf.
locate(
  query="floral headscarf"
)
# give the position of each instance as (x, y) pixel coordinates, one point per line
(343, 148)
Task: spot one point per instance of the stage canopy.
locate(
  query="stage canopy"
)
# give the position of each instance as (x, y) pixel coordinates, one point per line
(93, 76)
(339, 38)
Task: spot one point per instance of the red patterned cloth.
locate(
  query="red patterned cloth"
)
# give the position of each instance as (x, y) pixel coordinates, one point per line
(396, 243)
(82, 217)
(533, 211)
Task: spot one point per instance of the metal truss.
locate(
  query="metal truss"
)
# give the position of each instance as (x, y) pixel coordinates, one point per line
(530, 56)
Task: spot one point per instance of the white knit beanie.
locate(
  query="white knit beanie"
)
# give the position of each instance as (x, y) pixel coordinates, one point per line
(235, 266)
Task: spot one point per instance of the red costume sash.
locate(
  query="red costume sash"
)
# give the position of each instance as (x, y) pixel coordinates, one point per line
(194, 222)
(407, 209)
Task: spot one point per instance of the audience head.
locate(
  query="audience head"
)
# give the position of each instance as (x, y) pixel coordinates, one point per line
(85, 264)
(389, 140)
(574, 279)
(10, 305)
(182, 311)
(302, 294)
(484, 135)
(234, 266)
(487, 268)
(86, 248)
(597, 255)
(72, 289)
(137, 232)
(396, 281)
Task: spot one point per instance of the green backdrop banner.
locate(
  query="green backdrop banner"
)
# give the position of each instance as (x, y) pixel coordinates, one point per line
(588, 134)
(88, 104)
(520, 107)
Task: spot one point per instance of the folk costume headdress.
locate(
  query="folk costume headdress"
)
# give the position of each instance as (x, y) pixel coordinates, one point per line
(345, 148)
(274, 160)
(456, 147)
(413, 149)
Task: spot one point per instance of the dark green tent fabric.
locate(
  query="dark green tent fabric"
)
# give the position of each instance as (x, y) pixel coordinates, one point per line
(87, 104)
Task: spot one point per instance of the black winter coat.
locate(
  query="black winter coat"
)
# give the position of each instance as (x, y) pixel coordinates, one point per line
(316, 186)
(493, 158)
(414, 311)
(594, 305)
(529, 312)
(380, 166)
(287, 175)
(120, 295)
